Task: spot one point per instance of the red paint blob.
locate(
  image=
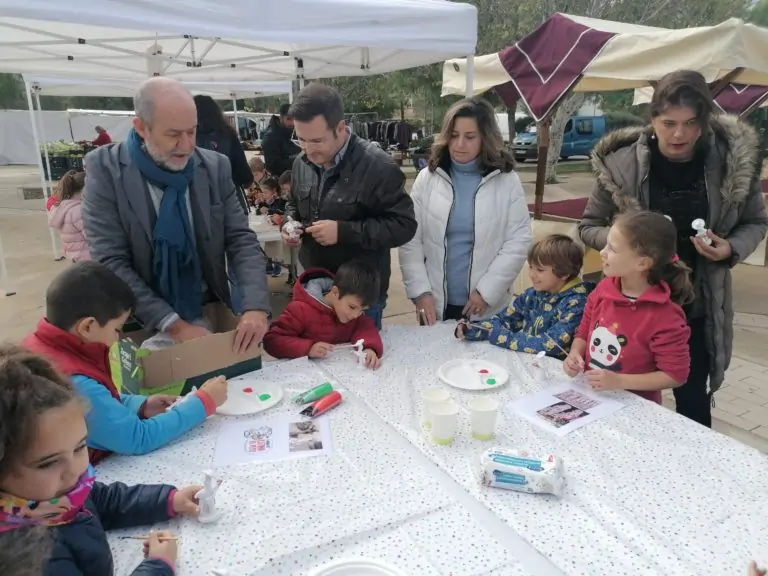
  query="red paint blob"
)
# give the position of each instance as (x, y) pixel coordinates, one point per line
(247, 390)
(483, 371)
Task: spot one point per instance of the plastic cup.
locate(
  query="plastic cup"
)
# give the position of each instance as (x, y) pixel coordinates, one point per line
(444, 421)
(431, 397)
(484, 411)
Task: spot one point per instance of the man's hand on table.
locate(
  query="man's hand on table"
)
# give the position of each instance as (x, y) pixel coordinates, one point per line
(250, 330)
(182, 331)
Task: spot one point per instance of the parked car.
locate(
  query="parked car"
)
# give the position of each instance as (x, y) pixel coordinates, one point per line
(580, 135)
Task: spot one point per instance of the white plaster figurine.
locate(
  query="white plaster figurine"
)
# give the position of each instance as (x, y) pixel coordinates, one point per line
(701, 231)
(181, 399)
(206, 498)
(540, 369)
(292, 228)
(359, 352)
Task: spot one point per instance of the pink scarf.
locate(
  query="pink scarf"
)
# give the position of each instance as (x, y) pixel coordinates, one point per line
(17, 512)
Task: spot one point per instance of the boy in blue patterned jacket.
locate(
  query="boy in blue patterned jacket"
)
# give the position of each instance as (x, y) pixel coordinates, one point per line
(545, 316)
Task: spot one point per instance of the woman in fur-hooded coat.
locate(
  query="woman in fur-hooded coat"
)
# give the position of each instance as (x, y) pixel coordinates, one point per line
(688, 164)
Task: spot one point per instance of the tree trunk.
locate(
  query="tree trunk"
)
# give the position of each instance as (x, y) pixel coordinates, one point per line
(565, 110)
(511, 125)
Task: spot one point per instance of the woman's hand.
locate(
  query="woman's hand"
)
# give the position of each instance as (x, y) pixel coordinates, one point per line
(426, 310)
(719, 250)
(475, 306)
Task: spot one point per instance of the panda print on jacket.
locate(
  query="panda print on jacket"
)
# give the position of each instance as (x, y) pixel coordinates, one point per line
(641, 336)
(605, 348)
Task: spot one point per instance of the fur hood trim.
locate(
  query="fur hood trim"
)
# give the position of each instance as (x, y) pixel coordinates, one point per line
(734, 141)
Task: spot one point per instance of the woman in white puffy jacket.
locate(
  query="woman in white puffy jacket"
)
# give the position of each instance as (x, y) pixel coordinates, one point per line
(474, 229)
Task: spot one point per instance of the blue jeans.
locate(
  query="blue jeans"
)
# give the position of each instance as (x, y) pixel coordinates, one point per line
(376, 313)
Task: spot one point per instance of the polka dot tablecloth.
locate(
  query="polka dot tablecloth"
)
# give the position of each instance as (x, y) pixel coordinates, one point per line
(369, 498)
(648, 492)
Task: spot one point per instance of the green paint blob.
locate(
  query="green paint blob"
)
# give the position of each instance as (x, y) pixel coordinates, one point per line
(264, 397)
(490, 381)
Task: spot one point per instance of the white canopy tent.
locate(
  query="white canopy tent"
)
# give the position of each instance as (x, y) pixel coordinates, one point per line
(214, 41)
(209, 40)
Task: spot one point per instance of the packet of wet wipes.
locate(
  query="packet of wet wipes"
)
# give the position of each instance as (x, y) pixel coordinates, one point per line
(523, 471)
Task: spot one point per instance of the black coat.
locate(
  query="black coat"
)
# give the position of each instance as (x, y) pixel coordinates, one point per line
(278, 149)
(228, 144)
(81, 548)
(366, 194)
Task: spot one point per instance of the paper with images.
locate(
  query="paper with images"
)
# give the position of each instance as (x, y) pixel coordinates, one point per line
(564, 408)
(279, 437)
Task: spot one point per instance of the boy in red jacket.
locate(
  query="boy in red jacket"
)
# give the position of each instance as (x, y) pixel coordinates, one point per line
(328, 310)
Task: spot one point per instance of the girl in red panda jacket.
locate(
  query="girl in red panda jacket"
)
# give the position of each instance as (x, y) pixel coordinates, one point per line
(633, 335)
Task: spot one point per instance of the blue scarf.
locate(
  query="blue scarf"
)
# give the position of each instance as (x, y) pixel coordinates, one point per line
(178, 277)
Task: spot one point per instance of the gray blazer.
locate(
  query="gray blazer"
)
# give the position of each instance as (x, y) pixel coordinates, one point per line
(119, 220)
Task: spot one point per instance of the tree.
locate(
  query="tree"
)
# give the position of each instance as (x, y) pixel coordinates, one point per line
(759, 13)
(12, 92)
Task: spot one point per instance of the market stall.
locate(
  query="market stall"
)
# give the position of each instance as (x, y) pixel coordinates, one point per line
(735, 99)
(598, 55)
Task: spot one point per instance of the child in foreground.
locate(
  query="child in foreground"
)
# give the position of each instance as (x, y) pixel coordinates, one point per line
(86, 307)
(67, 217)
(328, 310)
(634, 334)
(47, 482)
(545, 316)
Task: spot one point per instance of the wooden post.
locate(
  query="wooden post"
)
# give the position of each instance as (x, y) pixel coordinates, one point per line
(541, 166)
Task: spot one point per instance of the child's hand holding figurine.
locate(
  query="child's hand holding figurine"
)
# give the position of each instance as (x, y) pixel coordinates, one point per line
(372, 361)
(573, 365)
(753, 570)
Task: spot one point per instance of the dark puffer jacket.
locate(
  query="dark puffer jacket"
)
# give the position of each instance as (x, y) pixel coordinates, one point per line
(278, 148)
(366, 195)
(81, 548)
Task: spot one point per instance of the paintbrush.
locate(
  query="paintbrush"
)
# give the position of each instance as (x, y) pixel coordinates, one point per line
(563, 350)
(147, 537)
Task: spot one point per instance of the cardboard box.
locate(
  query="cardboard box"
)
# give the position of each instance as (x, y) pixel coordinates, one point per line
(176, 370)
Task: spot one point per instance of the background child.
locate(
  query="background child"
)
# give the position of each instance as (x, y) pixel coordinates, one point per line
(285, 184)
(67, 218)
(328, 310)
(634, 335)
(259, 171)
(86, 307)
(46, 480)
(271, 203)
(545, 316)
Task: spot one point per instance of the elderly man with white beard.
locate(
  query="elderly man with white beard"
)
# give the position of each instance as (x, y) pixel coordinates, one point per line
(164, 216)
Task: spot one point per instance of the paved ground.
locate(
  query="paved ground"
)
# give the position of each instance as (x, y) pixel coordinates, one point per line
(742, 404)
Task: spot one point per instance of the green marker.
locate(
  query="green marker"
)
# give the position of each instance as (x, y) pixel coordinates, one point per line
(314, 394)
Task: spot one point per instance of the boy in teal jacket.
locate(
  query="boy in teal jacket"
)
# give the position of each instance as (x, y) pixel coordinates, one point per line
(86, 307)
(544, 317)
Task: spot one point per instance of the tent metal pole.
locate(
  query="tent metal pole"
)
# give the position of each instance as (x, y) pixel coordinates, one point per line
(470, 82)
(4, 279)
(39, 112)
(43, 181)
(237, 120)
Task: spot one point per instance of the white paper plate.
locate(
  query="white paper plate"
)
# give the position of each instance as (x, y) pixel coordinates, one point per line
(472, 374)
(250, 395)
(356, 567)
